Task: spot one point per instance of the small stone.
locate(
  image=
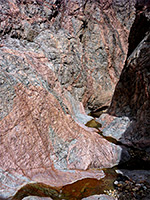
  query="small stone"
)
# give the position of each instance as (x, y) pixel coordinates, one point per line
(127, 187)
(116, 182)
(144, 187)
(1, 81)
(135, 189)
(138, 185)
(120, 185)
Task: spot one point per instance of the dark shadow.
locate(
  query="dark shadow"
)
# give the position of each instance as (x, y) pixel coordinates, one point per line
(132, 94)
(138, 30)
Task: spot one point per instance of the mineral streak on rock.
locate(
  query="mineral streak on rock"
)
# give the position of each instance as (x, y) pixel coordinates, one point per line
(40, 141)
(85, 42)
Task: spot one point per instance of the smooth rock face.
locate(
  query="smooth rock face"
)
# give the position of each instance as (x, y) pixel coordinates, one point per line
(114, 127)
(54, 54)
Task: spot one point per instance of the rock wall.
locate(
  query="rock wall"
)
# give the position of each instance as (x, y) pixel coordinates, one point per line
(85, 42)
(131, 97)
(57, 58)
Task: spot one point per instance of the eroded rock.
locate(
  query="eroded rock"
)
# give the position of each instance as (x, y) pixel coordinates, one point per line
(131, 97)
(84, 42)
(54, 54)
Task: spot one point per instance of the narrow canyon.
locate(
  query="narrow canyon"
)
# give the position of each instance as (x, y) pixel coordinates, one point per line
(74, 99)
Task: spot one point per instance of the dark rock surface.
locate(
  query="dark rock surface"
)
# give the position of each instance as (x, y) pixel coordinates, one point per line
(127, 121)
(130, 104)
(135, 185)
(131, 97)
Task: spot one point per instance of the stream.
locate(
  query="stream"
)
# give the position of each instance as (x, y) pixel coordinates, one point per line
(114, 184)
(78, 190)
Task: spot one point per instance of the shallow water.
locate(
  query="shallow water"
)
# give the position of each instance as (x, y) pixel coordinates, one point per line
(88, 187)
(78, 190)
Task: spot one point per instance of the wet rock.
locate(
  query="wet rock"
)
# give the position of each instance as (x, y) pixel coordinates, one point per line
(37, 198)
(99, 197)
(93, 123)
(139, 176)
(133, 184)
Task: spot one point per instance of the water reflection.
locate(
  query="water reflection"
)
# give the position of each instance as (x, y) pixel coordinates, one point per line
(75, 191)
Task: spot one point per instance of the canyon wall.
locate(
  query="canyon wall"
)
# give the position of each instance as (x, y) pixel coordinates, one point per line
(131, 97)
(59, 60)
